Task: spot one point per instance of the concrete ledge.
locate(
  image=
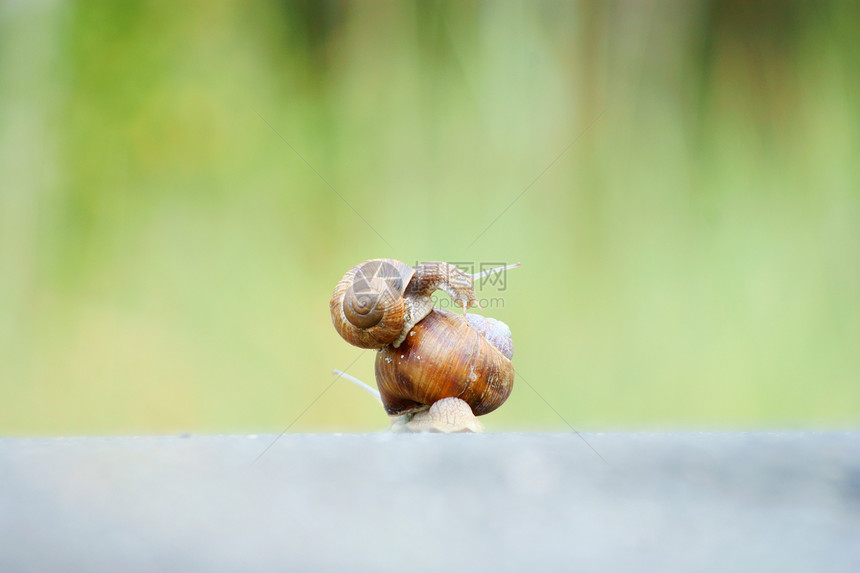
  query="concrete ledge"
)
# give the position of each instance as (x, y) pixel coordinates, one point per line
(502, 502)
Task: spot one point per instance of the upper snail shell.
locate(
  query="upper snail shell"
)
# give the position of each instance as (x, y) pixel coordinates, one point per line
(377, 302)
(367, 307)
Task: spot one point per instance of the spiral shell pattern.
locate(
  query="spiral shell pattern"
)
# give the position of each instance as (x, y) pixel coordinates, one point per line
(367, 307)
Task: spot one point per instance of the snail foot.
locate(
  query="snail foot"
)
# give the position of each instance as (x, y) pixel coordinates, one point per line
(447, 416)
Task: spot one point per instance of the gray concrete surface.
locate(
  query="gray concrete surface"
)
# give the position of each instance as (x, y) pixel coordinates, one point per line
(494, 502)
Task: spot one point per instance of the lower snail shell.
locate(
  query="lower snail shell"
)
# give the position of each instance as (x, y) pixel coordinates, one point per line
(443, 356)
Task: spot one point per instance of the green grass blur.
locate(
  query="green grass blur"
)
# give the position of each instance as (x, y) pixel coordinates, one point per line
(689, 230)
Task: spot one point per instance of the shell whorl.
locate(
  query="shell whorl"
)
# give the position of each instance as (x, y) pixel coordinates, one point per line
(495, 331)
(367, 307)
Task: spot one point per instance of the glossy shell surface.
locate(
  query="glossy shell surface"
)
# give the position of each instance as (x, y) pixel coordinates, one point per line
(443, 356)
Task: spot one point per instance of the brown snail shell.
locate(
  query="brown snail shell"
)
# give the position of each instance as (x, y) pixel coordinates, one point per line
(443, 356)
(367, 307)
(378, 302)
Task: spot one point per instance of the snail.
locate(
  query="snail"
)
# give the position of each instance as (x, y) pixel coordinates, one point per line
(435, 370)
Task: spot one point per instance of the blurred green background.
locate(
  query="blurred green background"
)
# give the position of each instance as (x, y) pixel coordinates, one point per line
(692, 260)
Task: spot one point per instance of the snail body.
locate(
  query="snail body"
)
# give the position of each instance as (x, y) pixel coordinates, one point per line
(426, 355)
